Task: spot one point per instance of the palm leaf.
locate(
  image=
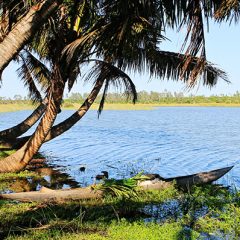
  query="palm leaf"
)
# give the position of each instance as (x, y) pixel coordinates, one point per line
(39, 70)
(104, 71)
(26, 75)
(196, 38)
(124, 188)
(171, 65)
(228, 10)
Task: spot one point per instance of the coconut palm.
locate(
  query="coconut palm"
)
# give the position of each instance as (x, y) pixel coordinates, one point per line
(20, 158)
(160, 63)
(24, 28)
(60, 75)
(126, 34)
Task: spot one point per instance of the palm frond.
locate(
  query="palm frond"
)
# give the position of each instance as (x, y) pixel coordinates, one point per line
(122, 188)
(121, 25)
(26, 75)
(102, 101)
(40, 43)
(76, 48)
(170, 65)
(39, 70)
(72, 76)
(113, 76)
(228, 10)
(196, 38)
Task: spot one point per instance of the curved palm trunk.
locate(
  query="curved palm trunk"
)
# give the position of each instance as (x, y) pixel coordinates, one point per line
(74, 118)
(22, 157)
(24, 30)
(68, 123)
(12, 133)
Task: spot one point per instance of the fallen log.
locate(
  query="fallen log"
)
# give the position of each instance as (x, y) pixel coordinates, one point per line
(49, 195)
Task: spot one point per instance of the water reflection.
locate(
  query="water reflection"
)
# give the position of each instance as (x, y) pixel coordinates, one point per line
(46, 175)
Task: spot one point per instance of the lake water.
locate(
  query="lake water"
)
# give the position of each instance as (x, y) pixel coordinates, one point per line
(171, 141)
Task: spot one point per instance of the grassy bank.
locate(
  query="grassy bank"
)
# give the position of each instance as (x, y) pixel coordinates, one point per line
(11, 107)
(204, 212)
(170, 214)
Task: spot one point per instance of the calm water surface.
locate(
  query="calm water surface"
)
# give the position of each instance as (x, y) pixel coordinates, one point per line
(171, 141)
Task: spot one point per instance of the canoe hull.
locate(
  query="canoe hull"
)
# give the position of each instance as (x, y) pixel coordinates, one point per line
(200, 178)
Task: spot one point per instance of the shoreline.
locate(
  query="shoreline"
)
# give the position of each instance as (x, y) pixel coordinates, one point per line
(13, 107)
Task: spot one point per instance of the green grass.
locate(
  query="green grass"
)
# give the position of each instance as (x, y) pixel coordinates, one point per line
(6, 153)
(21, 175)
(211, 210)
(122, 230)
(167, 214)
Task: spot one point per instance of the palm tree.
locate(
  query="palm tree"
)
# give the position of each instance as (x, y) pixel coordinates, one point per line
(30, 71)
(24, 29)
(58, 78)
(57, 39)
(163, 64)
(126, 34)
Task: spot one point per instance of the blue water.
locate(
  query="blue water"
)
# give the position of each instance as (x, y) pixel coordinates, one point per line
(171, 141)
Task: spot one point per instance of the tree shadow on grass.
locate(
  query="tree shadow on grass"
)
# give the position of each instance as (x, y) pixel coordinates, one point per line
(95, 215)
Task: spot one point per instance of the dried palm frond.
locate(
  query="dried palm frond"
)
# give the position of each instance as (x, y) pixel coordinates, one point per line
(196, 38)
(228, 10)
(170, 65)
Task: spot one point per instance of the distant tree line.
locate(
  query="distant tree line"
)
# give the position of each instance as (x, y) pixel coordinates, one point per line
(143, 97)
(17, 99)
(159, 97)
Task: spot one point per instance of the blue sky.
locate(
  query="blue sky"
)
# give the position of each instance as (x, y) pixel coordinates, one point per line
(223, 49)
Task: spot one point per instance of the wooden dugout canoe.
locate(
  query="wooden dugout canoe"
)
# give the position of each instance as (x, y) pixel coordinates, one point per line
(199, 178)
(154, 182)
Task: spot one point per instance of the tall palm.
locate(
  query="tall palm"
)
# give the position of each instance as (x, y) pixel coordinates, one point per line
(61, 34)
(160, 63)
(126, 35)
(58, 78)
(24, 29)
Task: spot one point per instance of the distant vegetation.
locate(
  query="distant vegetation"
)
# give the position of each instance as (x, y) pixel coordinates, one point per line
(160, 98)
(144, 97)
